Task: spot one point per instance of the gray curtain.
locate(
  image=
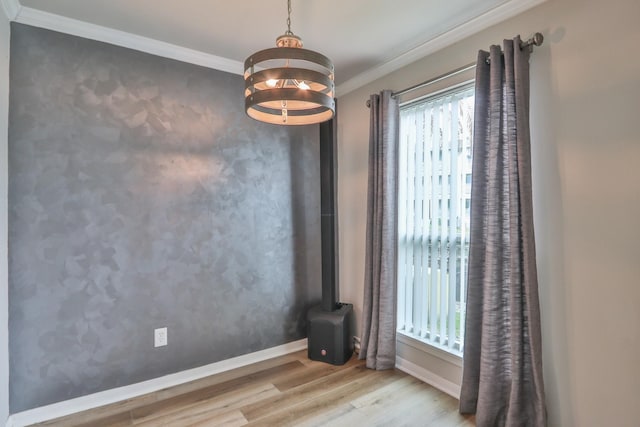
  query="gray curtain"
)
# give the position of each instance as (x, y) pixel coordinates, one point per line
(502, 376)
(378, 339)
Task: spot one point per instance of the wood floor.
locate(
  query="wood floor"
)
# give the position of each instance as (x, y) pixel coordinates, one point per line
(285, 391)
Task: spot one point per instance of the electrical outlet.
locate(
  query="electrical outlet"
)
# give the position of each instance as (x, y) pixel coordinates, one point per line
(160, 337)
(356, 344)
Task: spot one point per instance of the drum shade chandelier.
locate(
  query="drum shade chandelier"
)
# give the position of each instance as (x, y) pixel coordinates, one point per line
(289, 85)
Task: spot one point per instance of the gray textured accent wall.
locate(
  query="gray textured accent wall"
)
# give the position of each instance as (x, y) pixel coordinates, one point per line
(141, 196)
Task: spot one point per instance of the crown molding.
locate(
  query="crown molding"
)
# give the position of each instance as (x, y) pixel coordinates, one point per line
(50, 21)
(37, 18)
(469, 28)
(11, 8)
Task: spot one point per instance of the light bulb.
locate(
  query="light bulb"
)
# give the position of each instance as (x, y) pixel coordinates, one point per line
(272, 82)
(303, 85)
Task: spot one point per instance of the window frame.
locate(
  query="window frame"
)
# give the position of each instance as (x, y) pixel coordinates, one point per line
(410, 339)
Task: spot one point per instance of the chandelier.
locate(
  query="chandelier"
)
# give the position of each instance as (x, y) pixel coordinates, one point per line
(289, 85)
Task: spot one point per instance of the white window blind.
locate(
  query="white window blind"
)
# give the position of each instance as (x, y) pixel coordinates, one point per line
(433, 217)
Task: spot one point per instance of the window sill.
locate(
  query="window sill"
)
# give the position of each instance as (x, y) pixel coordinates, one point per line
(420, 345)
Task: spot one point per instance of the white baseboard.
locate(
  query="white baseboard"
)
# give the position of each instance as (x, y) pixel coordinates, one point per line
(442, 384)
(67, 407)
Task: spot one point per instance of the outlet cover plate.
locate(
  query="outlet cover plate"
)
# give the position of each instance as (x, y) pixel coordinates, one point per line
(160, 337)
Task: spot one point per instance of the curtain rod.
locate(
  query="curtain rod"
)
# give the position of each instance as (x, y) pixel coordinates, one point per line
(536, 40)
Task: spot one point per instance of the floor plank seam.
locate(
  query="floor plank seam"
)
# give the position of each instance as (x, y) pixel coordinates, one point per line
(284, 391)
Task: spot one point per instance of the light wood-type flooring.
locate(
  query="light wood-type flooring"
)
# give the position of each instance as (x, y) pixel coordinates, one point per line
(285, 391)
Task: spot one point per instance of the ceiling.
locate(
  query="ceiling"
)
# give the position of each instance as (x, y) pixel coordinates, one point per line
(358, 35)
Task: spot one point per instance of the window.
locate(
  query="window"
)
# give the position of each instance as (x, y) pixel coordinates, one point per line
(433, 237)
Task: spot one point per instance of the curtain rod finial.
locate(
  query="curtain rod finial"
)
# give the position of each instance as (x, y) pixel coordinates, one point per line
(537, 39)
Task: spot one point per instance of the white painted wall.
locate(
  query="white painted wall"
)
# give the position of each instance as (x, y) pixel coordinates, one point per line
(4, 283)
(586, 154)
